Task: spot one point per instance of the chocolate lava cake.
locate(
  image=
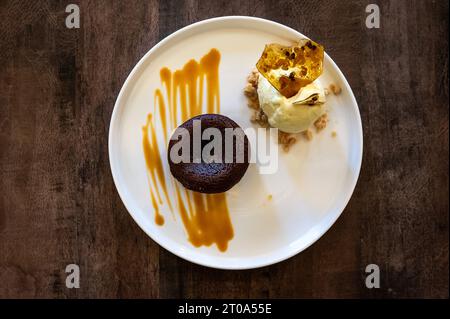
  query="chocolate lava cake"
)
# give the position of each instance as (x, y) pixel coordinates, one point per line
(206, 176)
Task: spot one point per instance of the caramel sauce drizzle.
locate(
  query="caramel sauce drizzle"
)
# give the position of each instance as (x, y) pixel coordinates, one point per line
(205, 217)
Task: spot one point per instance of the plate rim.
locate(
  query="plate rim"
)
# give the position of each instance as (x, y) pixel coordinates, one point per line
(187, 256)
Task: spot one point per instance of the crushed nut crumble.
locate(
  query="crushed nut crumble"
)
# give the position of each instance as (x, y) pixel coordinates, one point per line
(335, 89)
(321, 122)
(308, 135)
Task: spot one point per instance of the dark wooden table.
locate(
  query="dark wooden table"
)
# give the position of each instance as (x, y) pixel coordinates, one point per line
(59, 205)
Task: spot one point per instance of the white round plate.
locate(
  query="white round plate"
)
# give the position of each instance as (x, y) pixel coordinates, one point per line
(314, 181)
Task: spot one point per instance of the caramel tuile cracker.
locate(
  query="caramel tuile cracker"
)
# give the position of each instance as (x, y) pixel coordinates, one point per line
(289, 68)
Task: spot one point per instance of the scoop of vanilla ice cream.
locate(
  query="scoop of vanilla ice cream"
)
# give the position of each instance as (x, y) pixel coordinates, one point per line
(295, 114)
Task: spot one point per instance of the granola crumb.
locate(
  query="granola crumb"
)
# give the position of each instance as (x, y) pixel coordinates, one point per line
(253, 104)
(252, 79)
(321, 122)
(252, 99)
(260, 118)
(335, 89)
(308, 135)
(286, 140)
(282, 137)
(333, 134)
(249, 90)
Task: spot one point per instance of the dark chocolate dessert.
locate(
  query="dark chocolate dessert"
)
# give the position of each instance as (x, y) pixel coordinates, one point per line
(203, 161)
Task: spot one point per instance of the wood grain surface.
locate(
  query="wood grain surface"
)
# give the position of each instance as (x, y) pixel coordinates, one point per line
(59, 205)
